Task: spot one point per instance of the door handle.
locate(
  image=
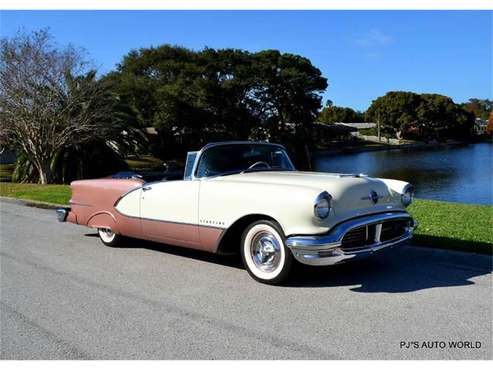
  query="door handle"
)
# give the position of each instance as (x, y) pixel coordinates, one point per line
(145, 188)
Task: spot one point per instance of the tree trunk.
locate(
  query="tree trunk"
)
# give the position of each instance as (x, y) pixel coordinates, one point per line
(45, 173)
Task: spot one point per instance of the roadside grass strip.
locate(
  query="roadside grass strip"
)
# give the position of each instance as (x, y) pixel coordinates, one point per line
(464, 227)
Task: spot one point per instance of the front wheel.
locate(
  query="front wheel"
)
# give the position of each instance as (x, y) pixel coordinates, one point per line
(109, 238)
(264, 253)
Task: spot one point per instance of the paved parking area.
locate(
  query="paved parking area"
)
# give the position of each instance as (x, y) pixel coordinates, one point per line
(66, 296)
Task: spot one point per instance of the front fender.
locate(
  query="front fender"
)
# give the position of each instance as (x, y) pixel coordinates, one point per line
(222, 203)
(397, 187)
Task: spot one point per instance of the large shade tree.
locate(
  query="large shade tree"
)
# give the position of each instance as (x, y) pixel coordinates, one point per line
(198, 96)
(440, 118)
(395, 111)
(50, 101)
(331, 114)
(285, 89)
(481, 108)
(421, 116)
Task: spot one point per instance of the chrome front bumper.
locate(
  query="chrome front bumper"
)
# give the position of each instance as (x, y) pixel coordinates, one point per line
(327, 249)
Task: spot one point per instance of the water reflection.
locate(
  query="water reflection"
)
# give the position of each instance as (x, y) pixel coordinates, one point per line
(459, 174)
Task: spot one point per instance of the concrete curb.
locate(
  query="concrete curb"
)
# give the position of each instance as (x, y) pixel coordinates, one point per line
(32, 203)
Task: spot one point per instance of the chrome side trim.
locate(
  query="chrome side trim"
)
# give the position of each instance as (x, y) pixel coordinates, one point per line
(181, 223)
(79, 204)
(126, 193)
(168, 221)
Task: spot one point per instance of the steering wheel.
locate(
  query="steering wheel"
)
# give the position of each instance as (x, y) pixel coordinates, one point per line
(259, 163)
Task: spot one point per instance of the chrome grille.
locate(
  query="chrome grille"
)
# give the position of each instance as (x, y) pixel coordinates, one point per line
(393, 229)
(359, 238)
(364, 236)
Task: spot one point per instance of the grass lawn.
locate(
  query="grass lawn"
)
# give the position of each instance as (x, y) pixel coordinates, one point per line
(453, 226)
(441, 224)
(57, 194)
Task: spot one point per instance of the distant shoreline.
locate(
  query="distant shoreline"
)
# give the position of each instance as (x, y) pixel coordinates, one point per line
(383, 146)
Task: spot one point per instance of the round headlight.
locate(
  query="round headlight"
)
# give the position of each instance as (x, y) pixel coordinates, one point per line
(322, 205)
(407, 196)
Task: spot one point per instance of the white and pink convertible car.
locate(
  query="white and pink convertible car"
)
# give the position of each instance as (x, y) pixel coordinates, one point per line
(247, 198)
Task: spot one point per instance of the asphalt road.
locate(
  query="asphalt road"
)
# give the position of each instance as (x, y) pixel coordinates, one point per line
(66, 296)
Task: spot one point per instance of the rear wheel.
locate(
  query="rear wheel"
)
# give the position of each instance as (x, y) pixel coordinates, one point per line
(109, 238)
(264, 253)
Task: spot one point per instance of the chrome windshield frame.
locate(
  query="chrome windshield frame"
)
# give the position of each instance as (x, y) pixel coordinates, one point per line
(213, 145)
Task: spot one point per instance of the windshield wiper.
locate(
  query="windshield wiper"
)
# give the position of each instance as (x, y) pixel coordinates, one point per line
(235, 172)
(264, 169)
(255, 170)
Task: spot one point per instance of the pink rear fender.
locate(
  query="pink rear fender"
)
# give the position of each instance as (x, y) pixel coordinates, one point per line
(93, 201)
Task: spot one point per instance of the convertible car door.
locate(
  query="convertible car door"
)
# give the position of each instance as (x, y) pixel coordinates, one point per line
(169, 212)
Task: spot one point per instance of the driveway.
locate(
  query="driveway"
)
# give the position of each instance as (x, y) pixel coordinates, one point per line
(66, 296)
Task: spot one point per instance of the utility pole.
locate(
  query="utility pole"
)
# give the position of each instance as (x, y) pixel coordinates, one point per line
(378, 126)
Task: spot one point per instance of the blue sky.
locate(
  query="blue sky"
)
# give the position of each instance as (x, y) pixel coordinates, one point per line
(363, 54)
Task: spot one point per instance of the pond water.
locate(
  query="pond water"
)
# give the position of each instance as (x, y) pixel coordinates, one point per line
(456, 174)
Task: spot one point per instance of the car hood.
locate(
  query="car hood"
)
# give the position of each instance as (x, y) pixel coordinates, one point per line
(349, 192)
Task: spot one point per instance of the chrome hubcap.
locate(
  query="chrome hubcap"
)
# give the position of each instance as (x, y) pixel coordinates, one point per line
(106, 234)
(265, 251)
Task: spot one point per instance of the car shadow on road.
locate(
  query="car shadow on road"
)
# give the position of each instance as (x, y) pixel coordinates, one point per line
(405, 269)
(233, 261)
(400, 270)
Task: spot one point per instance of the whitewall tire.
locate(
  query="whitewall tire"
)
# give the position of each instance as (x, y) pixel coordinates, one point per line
(264, 253)
(109, 238)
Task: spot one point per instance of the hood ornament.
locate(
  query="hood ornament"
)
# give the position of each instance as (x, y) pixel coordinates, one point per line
(373, 197)
(352, 175)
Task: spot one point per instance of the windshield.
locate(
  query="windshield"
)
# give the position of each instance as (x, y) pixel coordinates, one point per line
(234, 158)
